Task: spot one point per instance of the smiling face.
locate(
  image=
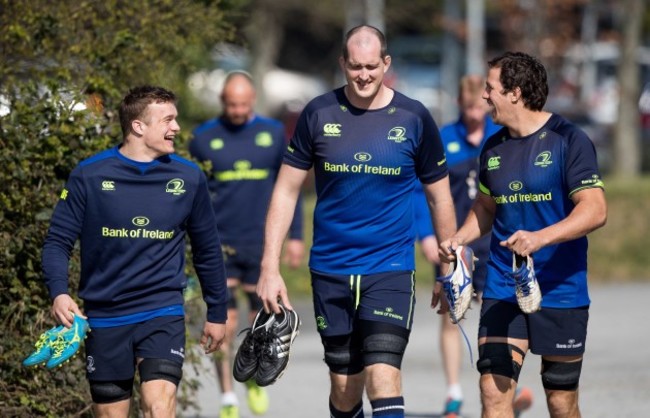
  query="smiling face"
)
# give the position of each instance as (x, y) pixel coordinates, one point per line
(364, 67)
(500, 101)
(158, 128)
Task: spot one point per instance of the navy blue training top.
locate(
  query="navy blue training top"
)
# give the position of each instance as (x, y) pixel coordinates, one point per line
(531, 180)
(131, 219)
(365, 164)
(463, 162)
(245, 163)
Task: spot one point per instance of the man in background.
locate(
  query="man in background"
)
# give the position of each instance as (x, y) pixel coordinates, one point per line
(245, 152)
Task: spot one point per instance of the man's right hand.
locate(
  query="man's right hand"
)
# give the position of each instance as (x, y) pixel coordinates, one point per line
(270, 289)
(63, 309)
(447, 249)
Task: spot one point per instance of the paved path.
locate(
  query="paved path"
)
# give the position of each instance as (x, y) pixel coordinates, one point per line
(615, 378)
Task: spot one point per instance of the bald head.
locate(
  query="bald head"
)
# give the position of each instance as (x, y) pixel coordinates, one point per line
(365, 37)
(238, 98)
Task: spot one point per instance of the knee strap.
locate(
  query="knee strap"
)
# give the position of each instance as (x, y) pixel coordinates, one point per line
(383, 343)
(561, 375)
(254, 301)
(384, 348)
(160, 369)
(341, 356)
(232, 297)
(500, 358)
(109, 392)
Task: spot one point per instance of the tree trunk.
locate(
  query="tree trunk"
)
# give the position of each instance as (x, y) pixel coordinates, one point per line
(266, 36)
(627, 147)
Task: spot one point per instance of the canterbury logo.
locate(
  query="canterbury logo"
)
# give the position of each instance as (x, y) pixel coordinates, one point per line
(332, 129)
(494, 163)
(108, 185)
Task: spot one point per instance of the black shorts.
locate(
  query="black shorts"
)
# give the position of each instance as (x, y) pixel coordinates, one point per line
(243, 262)
(550, 332)
(111, 352)
(341, 299)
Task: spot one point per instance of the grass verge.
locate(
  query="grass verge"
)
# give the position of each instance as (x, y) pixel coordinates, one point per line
(617, 252)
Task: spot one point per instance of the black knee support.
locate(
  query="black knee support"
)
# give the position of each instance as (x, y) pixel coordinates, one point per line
(384, 348)
(109, 392)
(232, 298)
(561, 375)
(254, 301)
(383, 343)
(500, 358)
(160, 369)
(342, 356)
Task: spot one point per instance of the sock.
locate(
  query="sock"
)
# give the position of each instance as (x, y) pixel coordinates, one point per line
(229, 398)
(455, 392)
(388, 407)
(357, 411)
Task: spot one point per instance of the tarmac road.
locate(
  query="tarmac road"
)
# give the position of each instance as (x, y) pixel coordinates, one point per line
(615, 376)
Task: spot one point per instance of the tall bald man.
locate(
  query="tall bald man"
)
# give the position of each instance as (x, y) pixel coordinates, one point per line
(367, 145)
(246, 151)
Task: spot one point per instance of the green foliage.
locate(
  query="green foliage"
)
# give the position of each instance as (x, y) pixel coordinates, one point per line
(55, 57)
(619, 249)
(42, 138)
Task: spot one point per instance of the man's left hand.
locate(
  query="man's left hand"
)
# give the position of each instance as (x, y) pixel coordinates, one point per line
(213, 335)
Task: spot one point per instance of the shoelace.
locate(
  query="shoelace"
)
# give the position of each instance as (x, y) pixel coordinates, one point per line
(42, 341)
(523, 282)
(469, 345)
(250, 348)
(448, 288)
(264, 340)
(58, 346)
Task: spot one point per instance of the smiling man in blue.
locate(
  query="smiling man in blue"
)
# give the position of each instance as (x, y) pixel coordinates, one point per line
(367, 145)
(540, 195)
(131, 207)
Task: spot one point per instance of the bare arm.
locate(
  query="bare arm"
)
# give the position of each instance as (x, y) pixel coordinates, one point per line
(589, 213)
(478, 223)
(443, 216)
(441, 206)
(271, 285)
(294, 252)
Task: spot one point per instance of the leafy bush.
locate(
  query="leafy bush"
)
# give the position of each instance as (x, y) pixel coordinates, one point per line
(42, 139)
(60, 57)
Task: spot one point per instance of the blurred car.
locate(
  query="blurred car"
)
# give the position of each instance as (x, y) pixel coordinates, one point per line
(416, 70)
(593, 70)
(283, 90)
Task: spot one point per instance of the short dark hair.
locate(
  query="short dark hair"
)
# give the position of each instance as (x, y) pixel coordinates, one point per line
(136, 101)
(519, 69)
(382, 40)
